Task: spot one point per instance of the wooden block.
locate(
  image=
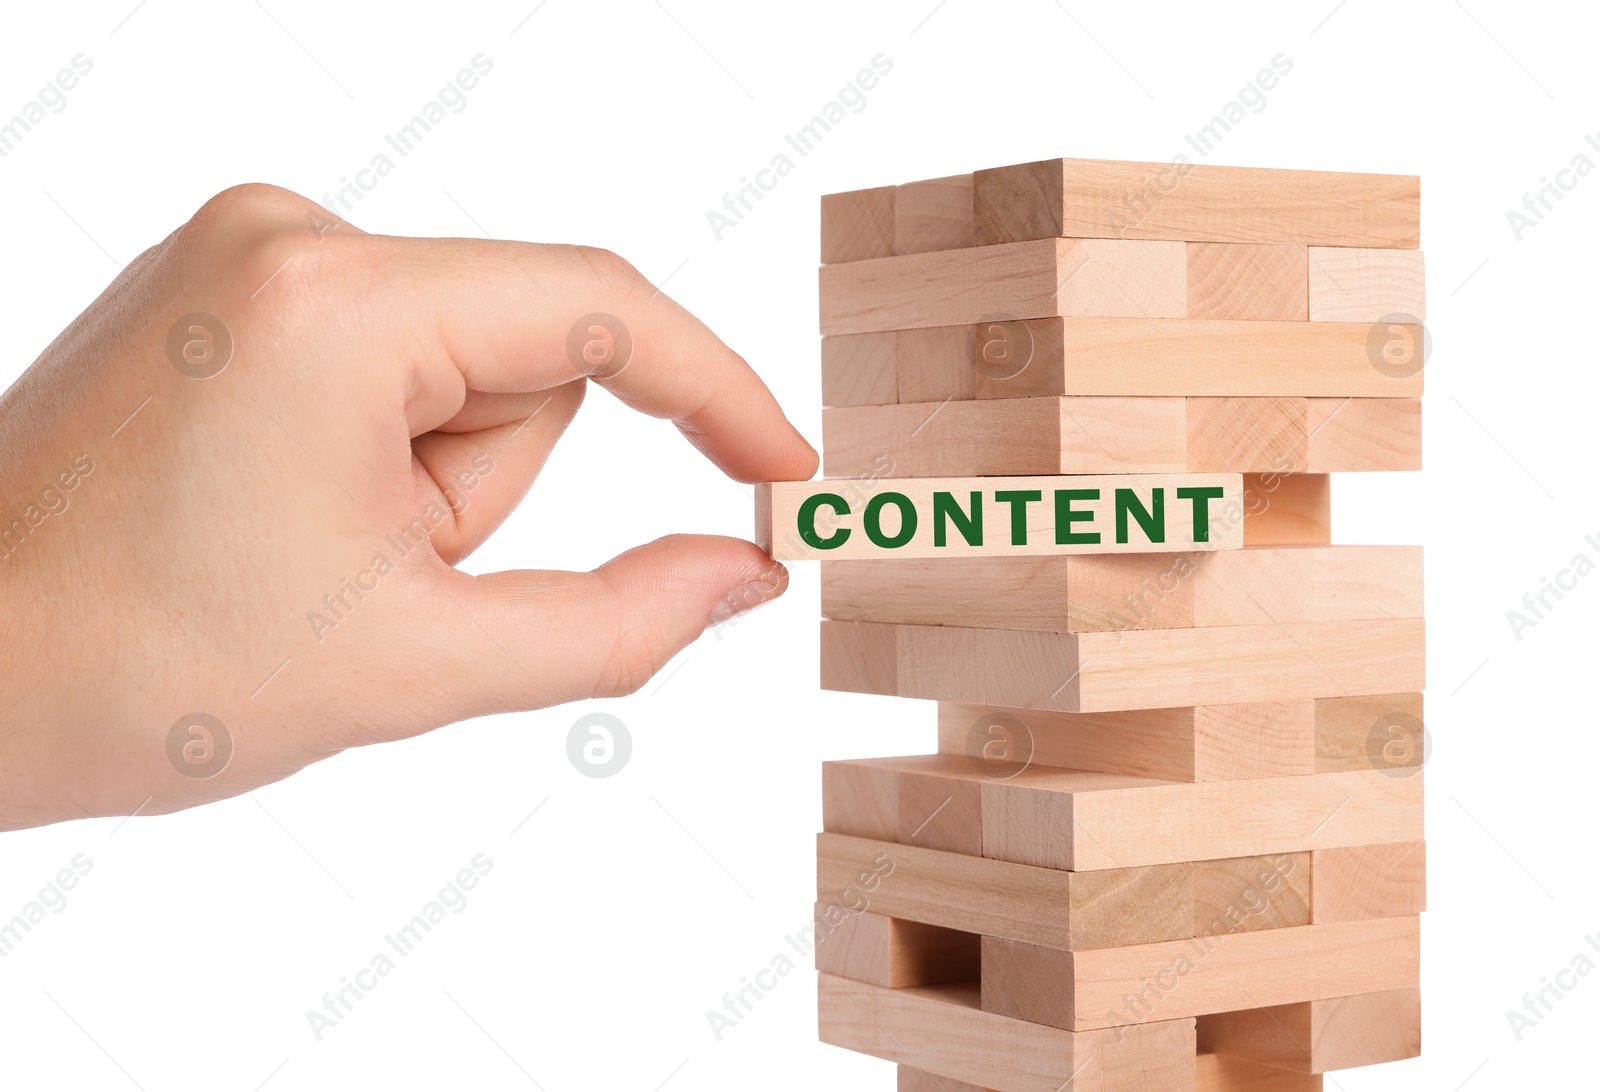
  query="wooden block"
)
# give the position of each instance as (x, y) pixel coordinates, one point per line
(1356, 284)
(1358, 882)
(1370, 732)
(858, 225)
(1104, 592)
(1008, 436)
(944, 1029)
(909, 1078)
(1221, 1073)
(1247, 434)
(867, 947)
(1084, 278)
(1305, 584)
(1261, 892)
(935, 214)
(1286, 510)
(943, 808)
(859, 370)
(1363, 434)
(1248, 281)
(1198, 743)
(860, 660)
(1197, 202)
(1108, 987)
(1321, 1036)
(1084, 821)
(1141, 669)
(997, 516)
(935, 365)
(1069, 910)
(1195, 357)
(861, 798)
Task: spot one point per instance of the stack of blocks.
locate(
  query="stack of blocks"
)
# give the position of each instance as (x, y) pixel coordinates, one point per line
(1172, 836)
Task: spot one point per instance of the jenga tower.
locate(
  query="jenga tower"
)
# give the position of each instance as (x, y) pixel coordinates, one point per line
(1080, 421)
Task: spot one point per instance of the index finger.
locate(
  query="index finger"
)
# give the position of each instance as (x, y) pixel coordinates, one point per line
(515, 317)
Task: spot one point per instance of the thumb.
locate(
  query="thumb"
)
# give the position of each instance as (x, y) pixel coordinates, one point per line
(535, 638)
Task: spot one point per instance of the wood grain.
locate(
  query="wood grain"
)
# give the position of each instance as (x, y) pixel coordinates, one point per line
(1370, 732)
(1084, 278)
(945, 1029)
(867, 947)
(1286, 510)
(1113, 987)
(1221, 1073)
(858, 225)
(1323, 1035)
(1248, 281)
(1087, 198)
(934, 214)
(859, 370)
(1379, 881)
(1356, 284)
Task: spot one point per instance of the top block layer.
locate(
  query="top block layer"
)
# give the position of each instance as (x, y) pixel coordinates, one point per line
(1194, 202)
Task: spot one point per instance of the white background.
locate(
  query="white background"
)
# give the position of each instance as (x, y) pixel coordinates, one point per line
(624, 908)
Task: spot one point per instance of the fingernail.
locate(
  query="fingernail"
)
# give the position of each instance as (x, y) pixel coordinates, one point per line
(748, 596)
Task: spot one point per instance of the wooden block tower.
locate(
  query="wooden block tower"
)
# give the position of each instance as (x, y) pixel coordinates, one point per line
(1172, 834)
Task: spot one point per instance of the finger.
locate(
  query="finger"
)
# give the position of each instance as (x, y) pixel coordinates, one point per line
(517, 317)
(532, 639)
(478, 466)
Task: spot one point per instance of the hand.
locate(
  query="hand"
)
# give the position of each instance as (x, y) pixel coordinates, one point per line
(170, 538)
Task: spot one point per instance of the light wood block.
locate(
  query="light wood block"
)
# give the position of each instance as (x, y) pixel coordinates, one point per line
(1197, 743)
(1363, 434)
(1370, 732)
(858, 225)
(859, 370)
(1321, 1036)
(1009, 436)
(1221, 1073)
(867, 947)
(1355, 883)
(1195, 357)
(1105, 592)
(1357, 284)
(998, 516)
(1260, 892)
(864, 660)
(1060, 909)
(1089, 198)
(860, 797)
(953, 435)
(1084, 278)
(909, 1078)
(1248, 281)
(945, 1029)
(1109, 987)
(1139, 669)
(935, 214)
(934, 366)
(1286, 510)
(1084, 821)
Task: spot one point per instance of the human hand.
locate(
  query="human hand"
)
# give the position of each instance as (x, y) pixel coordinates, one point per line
(176, 542)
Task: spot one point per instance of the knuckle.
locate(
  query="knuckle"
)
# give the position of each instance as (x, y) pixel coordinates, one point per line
(611, 269)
